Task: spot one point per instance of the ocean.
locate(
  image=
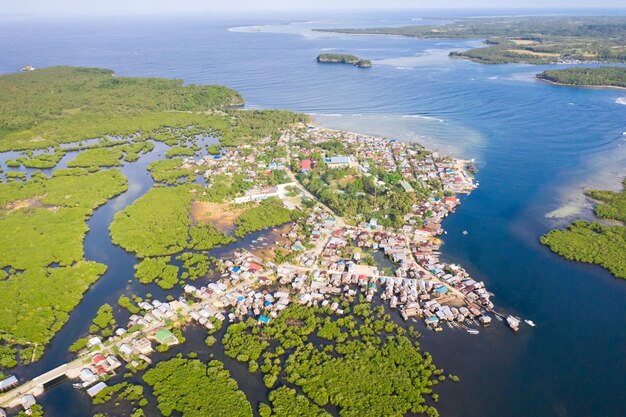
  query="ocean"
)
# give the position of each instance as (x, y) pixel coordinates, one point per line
(537, 146)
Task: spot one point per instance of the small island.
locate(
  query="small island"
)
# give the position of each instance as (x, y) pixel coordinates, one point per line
(587, 77)
(344, 59)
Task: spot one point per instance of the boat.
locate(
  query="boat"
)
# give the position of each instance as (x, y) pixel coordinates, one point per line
(513, 323)
(472, 331)
(530, 323)
(77, 386)
(465, 232)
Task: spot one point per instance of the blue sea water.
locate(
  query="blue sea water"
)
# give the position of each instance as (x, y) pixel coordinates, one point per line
(536, 145)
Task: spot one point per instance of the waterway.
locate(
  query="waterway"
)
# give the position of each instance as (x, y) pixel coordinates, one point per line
(536, 145)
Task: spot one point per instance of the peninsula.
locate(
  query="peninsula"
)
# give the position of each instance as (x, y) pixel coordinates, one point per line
(587, 77)
(328, 269)
(344, 59)
(526, 39)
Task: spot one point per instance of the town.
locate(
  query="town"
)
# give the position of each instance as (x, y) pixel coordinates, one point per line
(330, 257)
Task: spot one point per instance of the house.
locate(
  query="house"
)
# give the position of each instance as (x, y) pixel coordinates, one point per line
(27, 401)
(338, 161)
(8, 383)
(126, 350)
(143, 346)
(94, 341)
(254, 267)
(87, 376)
(98, 360)
(93, 391)
(305, 165)
(165, 337)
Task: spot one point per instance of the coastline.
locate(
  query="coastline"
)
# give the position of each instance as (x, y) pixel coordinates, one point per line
(603, 87)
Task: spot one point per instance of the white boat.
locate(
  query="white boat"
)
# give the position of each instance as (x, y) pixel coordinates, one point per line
(530, 323)
(513, 323)
(465, 232)
(472, 331)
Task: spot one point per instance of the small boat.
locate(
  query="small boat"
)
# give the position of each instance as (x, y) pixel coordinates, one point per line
(498, 317)
(465, 232)
(530, 323)
(77, 386)
(513, 323)
(472, 331)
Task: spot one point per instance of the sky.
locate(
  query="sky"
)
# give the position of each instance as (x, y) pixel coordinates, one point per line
(121, 7)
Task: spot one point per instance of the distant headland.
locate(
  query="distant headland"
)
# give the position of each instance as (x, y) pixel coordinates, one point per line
(344, 59)
(611, 77)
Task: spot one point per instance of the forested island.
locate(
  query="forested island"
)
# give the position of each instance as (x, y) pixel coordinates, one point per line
(593, 242)
(344, 59)
(526, 39)
(587, 77)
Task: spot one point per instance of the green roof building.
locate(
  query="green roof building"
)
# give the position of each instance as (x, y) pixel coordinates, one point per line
(165, 337)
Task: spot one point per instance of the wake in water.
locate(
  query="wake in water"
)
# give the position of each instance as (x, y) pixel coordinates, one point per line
(621, 100)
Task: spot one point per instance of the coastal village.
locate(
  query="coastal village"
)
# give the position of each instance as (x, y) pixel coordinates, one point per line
(331, 261)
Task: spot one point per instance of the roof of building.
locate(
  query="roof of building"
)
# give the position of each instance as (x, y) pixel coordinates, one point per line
(305, 164)
(338, 160)
(8, 382)
(407, 187)
(164, 336)
(93, 391)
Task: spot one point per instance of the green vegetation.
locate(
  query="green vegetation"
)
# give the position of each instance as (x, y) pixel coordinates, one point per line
(42, 160)
(155, 224)
(35, 411)
(366, 366)
(104, 321)
(179, 151)
(127, 303)
(159, 270)
(592, 242)
(591, 77)
(170, 171)
(158, 224)
(286, 402)
(206, 236)
(269, 213)
(195, 264)
(65, 104)
(192, 388)
(344, 59)
(99, 157)
(42, 226)
(529, 39)
(350, 194)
